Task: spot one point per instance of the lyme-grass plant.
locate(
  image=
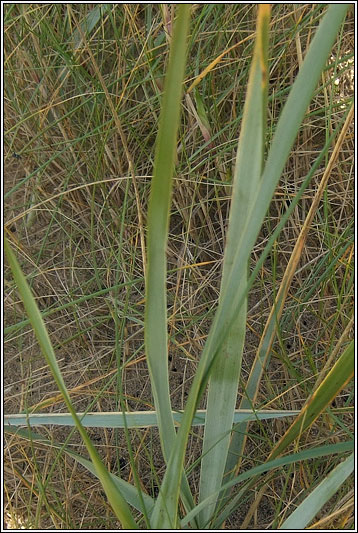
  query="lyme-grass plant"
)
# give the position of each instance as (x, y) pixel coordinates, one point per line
(223, 487)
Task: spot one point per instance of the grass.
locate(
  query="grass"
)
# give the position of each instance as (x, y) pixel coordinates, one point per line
(138, 304)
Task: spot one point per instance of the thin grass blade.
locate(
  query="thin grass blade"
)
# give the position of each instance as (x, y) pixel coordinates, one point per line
(310, 506)
(89, 22)
(340, 374)
(129, 491)
(114, 496)
(303, 455)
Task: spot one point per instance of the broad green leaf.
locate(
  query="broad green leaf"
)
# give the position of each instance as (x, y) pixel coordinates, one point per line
(225, 376)
(310, 506)
(286, 131)
(262, 356)
(165, 511)
(137, 419)
(114, 496)
(155, 330)
(156, 335)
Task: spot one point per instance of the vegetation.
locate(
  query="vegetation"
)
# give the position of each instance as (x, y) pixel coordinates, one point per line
(180, 280)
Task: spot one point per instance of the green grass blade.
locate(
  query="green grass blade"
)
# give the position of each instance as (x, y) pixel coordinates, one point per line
(248, 170)
(133, 419)
(129, 491)
(341, 373)
(89, 22)
(114, 496)
(156, 334)
(266, 341)
(287, 129)
(310, 506)
(304, 455)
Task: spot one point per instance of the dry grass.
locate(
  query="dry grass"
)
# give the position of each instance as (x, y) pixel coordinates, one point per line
(77, 218)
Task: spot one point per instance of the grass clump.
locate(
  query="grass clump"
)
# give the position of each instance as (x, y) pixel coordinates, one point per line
(154, 257)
